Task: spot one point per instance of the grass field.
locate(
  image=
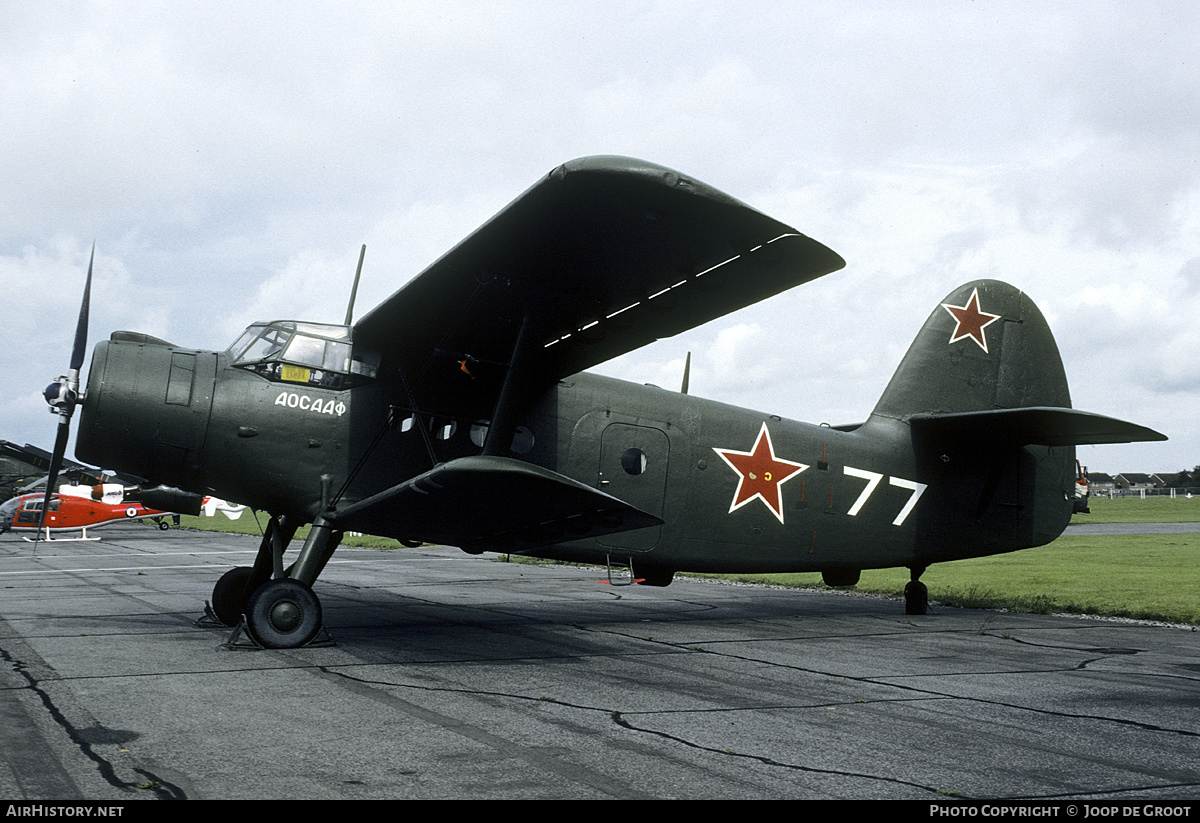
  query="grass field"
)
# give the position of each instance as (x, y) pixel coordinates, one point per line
(247, 524)
(1137, 510)
(1151, 577)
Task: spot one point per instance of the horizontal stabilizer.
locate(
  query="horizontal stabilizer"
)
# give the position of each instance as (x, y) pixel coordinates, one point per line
(489, 503)
(1034, 425)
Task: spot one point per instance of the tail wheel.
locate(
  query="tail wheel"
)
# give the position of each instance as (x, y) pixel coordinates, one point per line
(916, 598)
(283, 614)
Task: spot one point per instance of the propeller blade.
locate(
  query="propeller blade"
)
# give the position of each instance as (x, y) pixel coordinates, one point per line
(81, 328)
(56, 461)
(68, 398)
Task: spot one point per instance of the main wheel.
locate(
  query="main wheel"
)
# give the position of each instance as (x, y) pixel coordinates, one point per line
(229, 596)
(283, 614)
(164, 525)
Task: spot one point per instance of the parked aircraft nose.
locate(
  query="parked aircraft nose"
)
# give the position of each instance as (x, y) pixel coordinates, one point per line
(146, 409)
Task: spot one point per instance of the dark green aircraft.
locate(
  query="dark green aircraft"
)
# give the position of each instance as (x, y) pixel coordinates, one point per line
(459, 412)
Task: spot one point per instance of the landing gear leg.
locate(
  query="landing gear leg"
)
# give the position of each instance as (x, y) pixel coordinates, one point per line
(284, 613)
(916, 596)
(318, 548)
(232, 592)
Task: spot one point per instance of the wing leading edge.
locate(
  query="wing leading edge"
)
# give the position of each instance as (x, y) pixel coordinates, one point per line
(602, 256)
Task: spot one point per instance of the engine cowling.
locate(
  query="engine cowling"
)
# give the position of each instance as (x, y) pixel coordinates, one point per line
(146, 409)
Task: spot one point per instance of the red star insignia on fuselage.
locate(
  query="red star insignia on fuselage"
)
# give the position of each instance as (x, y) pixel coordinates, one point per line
(971, 321)
(761, 473)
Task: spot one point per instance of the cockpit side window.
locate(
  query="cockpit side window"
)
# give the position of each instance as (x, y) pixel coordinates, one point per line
(267, 345)
(238, 349)
(35, 504)
(309, 353)
(322, 354)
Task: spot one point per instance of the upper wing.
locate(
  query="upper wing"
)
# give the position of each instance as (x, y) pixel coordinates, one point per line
(602, 256)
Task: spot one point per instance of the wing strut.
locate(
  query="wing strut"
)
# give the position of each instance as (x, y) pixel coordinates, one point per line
(504, 419)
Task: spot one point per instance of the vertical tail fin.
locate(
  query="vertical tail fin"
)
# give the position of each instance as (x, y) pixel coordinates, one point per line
(985, 347)
(993, 432)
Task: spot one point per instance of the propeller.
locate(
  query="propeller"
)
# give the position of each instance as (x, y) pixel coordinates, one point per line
(63, 394)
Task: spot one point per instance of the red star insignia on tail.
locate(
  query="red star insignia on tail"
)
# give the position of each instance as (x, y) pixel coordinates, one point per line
(971, 321)
(761, 473)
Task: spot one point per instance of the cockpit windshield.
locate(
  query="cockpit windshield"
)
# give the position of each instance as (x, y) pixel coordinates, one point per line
(313, 353)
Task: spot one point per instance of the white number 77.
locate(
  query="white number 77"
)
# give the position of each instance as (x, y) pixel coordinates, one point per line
(917, 490)
(873, 479)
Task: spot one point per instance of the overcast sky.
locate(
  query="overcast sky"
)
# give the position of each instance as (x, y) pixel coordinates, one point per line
(229, 159)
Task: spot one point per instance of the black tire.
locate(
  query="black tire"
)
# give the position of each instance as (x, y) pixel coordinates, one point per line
(916, 598)
(164, 525)
(283, 614)
(229, 597)
(654, 577)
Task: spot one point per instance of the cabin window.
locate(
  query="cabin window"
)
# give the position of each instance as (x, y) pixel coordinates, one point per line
(35, 505)
(522, 442)
(479, 430)
(633, 461)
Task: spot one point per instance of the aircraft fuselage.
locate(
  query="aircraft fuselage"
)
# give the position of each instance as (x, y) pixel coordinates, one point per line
(866, 498)
(736, 489)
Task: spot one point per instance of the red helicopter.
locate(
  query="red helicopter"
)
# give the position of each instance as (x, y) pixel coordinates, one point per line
(75, 508)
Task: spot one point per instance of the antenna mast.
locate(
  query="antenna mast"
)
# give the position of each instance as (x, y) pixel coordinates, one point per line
(354, 291)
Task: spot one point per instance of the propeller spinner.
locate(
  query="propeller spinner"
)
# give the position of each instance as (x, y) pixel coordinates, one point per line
(63, 394)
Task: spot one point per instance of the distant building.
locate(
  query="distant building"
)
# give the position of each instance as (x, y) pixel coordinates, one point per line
(1176, 480)
(1134, 481)
(1099, 481)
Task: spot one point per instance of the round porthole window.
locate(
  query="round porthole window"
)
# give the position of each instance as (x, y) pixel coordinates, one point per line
(479, 433)
(522, 442)
(633, 461)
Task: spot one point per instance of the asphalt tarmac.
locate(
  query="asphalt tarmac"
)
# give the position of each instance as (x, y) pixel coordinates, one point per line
(466, 677)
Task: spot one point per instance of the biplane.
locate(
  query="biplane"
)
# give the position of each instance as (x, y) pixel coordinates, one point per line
(460, 411)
